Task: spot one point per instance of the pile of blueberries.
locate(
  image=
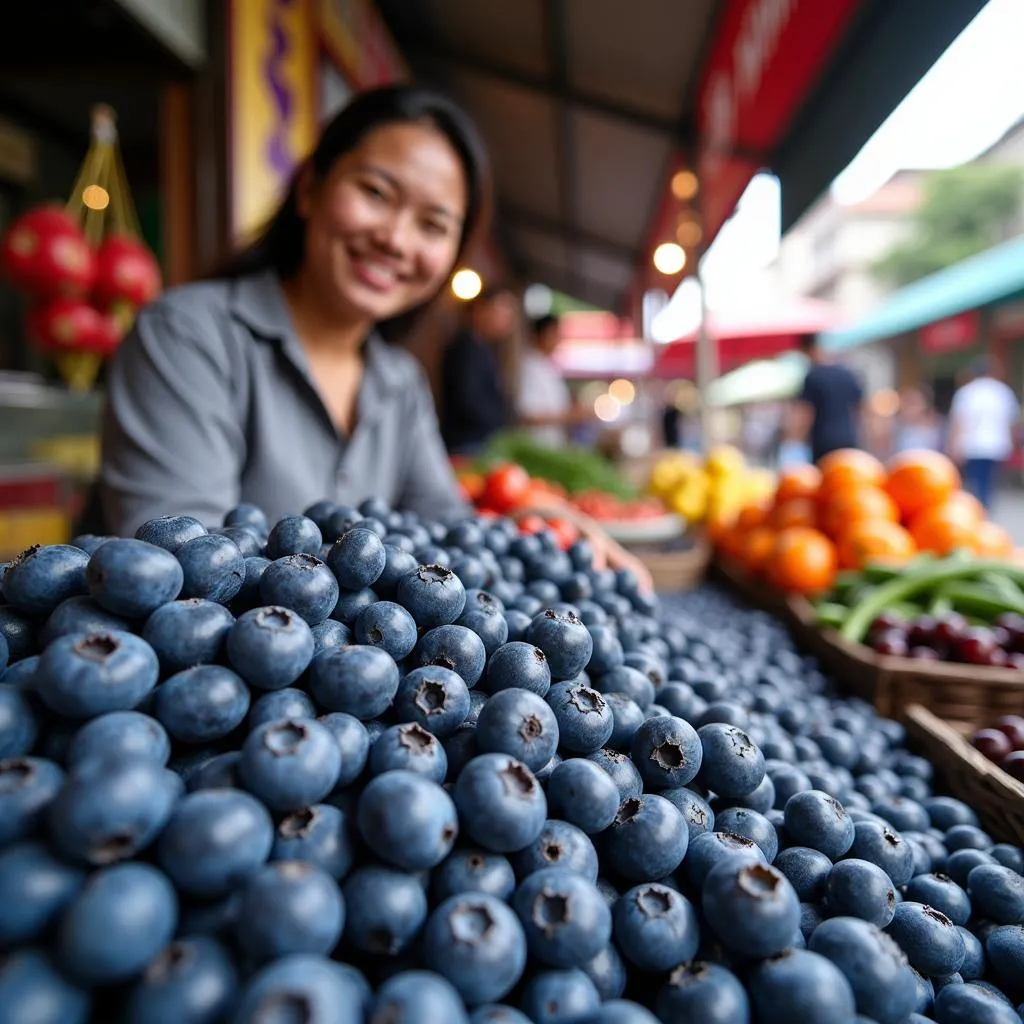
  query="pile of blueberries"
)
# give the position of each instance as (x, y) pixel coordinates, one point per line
(358, 768)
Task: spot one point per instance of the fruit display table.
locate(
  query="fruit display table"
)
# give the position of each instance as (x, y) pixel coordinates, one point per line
(469, 777)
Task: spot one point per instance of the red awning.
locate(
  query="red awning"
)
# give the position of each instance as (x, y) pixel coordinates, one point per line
(754, 331)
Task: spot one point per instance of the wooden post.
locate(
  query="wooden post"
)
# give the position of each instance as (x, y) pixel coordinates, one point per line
(177, 182)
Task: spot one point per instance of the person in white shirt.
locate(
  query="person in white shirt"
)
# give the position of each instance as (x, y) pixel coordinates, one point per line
(544, 405)
(982, 426)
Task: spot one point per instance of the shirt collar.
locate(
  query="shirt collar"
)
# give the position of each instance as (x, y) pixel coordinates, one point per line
(258, 301)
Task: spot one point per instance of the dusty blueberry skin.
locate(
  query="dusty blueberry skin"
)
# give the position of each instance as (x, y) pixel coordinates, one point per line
(508, 784)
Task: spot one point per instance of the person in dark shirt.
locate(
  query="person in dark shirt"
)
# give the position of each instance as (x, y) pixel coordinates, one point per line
(831, 399)
(474, 402)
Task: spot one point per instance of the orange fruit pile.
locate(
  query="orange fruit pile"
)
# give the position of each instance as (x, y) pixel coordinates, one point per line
(852, 509)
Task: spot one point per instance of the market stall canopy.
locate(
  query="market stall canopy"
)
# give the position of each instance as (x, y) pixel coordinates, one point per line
(591, 106)
(756, 329)
(991, 278)
(764, 380)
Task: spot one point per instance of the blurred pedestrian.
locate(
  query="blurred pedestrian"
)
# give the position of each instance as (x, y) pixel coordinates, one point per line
(829, 404)
(544, 404)
(982, 424)
(474, 401)
(918, 424)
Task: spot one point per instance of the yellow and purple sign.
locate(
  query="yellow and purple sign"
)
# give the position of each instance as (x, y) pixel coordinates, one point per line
(272, 97)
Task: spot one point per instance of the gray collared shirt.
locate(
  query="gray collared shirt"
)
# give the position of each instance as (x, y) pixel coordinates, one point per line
(211, 403)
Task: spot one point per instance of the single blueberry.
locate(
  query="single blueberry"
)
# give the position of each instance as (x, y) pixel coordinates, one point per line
(433, 595)
(359, 680)
(647, 840)
(564, 917)
(214, 841)
(111, 809)
(270, 647)
(302, 583)
(42, 577)
(565, 641)
(118, 922)
(353, 741)
(191, 979)
(501, 805)
(703, 992)
(384, 909)
(585, 721)
(560, 845)
(201, 704)
(667, 751)
(455, 648)
(388, 626)
(290, 763)
(518, 723)
(518, 665)
(732, 765)
(132, 578)
(473, 870)
(289, 907)
(435, 698)
(294, 535)
(752, 908)
(187, 632)
(85, 675)
(407, 820)
(409, 747)
(170, 532)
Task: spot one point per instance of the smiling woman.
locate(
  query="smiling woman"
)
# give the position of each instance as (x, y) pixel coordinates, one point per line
(268, 383)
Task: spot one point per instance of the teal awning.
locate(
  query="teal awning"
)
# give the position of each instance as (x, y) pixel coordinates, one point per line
(988, 279)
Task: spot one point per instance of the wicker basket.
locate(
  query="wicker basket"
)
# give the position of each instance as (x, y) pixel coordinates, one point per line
(675, 571)
(997, 798)
(958, 693)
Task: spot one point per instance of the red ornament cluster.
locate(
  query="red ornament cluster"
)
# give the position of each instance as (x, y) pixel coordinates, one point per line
(84, 299)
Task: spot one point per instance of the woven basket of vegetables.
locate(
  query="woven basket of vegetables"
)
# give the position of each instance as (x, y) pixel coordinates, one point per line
(947, 634)
(968, 775)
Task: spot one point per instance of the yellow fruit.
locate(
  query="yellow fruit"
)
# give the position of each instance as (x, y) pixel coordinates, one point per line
(724, 460)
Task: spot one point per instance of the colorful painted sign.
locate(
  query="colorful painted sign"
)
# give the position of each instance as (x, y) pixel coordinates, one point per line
(272, 96)
(768, 55)
(359, 42)
(953, 334)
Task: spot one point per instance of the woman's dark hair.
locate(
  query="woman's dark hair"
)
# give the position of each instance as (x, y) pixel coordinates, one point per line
(281, 246)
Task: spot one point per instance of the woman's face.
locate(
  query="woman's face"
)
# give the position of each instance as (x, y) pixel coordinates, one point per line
(383, 228)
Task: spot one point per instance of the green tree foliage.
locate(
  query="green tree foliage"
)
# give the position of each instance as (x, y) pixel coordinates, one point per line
(964, 211)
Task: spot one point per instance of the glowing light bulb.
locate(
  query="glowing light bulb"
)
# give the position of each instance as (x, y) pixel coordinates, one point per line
(607, 408)
(96, 197)
(466, 284)
(684, 184)
(622, 391)
(669, 258)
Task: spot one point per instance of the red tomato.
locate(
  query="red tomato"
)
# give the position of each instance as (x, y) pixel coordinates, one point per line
(565, 532)
(506, 486)
(532, 524)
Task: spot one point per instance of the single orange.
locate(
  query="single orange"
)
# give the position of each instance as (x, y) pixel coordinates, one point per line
(992, 541)
(798, 482)
(918, 480)
(945, 528)
(856, 504)
(795, 512)
(754, 514)
(803, 561)
(840, 469)
(875, 540)
(757, 548)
